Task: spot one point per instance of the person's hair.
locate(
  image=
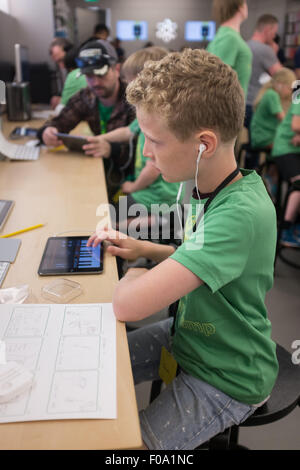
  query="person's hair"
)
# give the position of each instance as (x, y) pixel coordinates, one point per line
(69, 59)
(64, 43)
(265, 20)
(136, 61)
(224, 10)
(192, 90)
(284, 76)
(99, 28)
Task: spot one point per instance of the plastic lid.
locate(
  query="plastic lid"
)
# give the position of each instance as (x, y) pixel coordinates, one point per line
(61, 290)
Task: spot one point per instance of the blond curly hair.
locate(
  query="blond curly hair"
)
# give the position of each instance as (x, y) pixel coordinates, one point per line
(192, 90)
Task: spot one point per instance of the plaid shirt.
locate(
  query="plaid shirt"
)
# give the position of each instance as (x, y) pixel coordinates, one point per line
(84, 106)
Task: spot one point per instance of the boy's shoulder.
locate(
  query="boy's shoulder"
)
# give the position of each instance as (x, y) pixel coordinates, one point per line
(245, 202)
(246, 187)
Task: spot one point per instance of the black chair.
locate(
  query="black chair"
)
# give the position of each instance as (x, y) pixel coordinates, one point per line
(281, 249)
(285, 397)
(248, 150)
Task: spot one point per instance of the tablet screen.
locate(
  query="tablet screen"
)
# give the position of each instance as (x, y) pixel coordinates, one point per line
(70, 255)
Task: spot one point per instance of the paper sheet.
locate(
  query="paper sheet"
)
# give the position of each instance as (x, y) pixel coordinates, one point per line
(71, 349)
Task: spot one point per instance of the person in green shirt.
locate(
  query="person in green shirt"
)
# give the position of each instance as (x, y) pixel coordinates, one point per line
(75, 81)
(286, 154)
(268, 113)
(228, 43)
(268, 108)
(217, 358)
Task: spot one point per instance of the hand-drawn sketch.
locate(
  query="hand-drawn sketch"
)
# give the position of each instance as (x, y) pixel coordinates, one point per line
(28, 322)
(71, 350)
(73, 392)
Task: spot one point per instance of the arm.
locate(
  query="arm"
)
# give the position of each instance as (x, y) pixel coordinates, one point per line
(296, 129)
(99, 146)
(129, 248)
(55, 100)
(274, 68)
(148, 175)
(296, 124)
(68, 118)
(122, 134)
(138, 298)
(280, 116)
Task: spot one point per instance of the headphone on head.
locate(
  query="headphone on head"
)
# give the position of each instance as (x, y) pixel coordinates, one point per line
(202, 147)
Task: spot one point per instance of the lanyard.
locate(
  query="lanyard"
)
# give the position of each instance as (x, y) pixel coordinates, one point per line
(212, 196)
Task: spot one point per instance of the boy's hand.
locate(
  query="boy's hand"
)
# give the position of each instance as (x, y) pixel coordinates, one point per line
(97, 147)
(122, 245)
(127, 187)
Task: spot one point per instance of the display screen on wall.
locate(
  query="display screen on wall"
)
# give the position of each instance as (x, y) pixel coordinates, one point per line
(200, 30)
(132, 30)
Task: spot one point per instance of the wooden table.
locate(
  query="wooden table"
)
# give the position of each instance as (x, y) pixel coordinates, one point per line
(63, 190)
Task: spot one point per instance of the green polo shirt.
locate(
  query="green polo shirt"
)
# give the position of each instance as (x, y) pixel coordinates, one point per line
(230, 47)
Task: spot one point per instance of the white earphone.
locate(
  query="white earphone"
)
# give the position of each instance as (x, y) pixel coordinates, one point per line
(202, 147)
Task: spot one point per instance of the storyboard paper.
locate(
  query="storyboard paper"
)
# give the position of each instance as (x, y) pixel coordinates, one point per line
(71, 350)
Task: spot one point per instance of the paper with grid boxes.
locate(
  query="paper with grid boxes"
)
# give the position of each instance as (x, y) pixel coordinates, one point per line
(71, 350)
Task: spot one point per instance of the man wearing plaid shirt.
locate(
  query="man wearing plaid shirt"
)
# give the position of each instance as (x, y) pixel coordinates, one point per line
(102, 105)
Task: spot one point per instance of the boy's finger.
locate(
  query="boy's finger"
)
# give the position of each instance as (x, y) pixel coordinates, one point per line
(115, 237)
(116, 251)
(91, 239)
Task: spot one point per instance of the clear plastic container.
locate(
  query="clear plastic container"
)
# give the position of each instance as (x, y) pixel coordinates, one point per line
(61, 291)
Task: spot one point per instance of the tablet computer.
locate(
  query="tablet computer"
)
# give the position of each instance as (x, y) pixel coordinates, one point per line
(5, 208)
(70, 255)
(73, 142)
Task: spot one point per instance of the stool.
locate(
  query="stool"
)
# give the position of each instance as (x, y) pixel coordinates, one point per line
(285, 397)
(295, 186)
(247, 149)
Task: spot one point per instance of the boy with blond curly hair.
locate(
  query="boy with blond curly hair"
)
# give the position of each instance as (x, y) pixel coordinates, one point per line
(190, 107)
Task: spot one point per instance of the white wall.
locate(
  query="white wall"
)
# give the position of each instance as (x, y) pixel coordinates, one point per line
(9, 35)
(4, 6)
(257, 8)
(36, 26)
(35, 23)
(154, 11)
(293, 5)
(86, 21)
(181, 11)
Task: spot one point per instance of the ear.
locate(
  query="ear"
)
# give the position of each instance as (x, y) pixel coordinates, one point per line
(211, 142)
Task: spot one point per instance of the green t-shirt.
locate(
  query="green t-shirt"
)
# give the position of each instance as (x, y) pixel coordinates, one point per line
(160, 191)
(283, 138)
(230, 47)
(264, 121)
(222, 333)
(105, 113)
(73, 84)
